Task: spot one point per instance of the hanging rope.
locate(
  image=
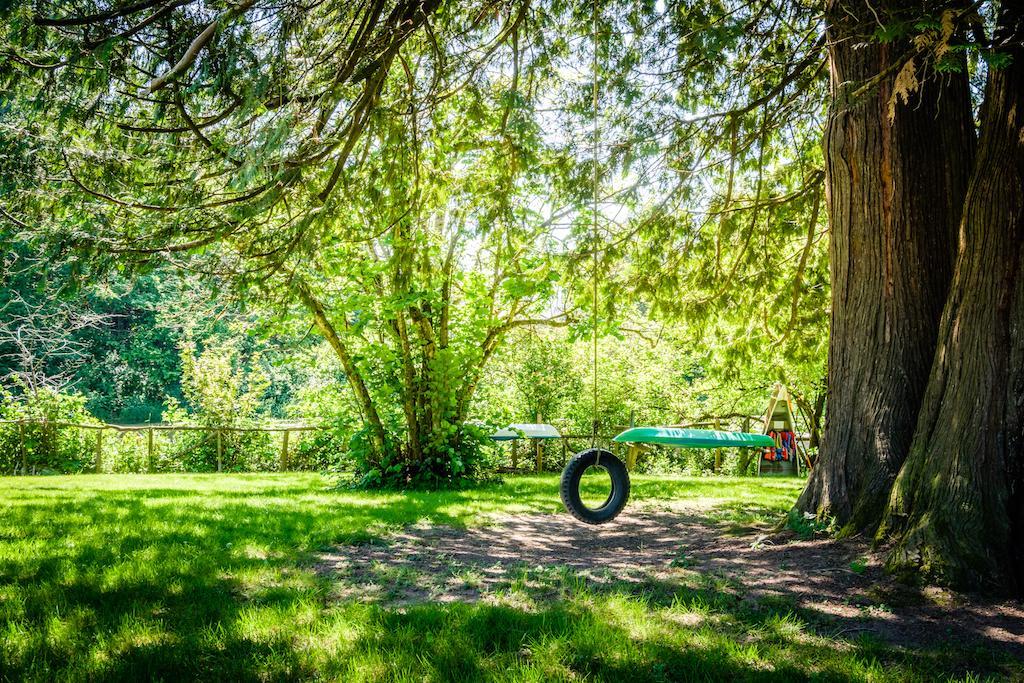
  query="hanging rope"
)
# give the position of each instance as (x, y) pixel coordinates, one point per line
(594, 233)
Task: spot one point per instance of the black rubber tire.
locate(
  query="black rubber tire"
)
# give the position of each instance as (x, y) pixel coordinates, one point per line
(570, 486)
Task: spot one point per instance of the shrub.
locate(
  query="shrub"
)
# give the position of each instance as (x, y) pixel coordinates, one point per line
(321, 451)
(223, 392)
(37, 444)
(462, 456)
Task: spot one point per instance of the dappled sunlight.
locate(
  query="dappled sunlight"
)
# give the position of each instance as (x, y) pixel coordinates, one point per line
(285, 576)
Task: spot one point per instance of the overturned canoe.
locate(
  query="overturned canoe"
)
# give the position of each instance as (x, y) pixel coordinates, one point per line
(694, 438)
(526, 431)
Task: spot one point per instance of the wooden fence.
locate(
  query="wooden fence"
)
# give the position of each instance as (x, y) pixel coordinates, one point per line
(151, 429)
(567, 444)
(541, 455)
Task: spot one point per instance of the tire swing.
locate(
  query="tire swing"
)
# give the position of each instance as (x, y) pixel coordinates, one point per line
(571, 480)
(675, 437)
(596, 457)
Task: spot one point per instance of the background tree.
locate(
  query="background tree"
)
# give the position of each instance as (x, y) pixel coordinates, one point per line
(232, 146)
(535, 374)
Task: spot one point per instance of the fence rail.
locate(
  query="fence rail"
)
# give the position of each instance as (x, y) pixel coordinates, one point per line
(218, 433)
(542, 455)
(171, 427)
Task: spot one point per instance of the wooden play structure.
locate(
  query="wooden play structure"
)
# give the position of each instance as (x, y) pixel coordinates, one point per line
(788, 455)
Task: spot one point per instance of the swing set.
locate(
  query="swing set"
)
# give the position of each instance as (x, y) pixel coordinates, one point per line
(597, 457)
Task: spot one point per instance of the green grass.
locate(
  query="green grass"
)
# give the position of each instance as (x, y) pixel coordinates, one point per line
(210, 577)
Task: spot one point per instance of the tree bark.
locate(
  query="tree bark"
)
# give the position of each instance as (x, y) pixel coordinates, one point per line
(816, 417)
(895, 189)
(957, 510)
(378, 437)
(412, 390)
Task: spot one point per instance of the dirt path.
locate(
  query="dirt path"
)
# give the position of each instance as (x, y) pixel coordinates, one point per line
(837, 588)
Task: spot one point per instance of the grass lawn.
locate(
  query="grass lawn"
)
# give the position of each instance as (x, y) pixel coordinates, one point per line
(211, 577)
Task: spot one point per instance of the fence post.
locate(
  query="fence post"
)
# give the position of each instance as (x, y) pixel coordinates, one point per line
(149, 449)
(745, 453)
(220, 451)
(24, 450)
(718, 451)
(99, 451)
(284, 451)
(631, 456)
(539, 449)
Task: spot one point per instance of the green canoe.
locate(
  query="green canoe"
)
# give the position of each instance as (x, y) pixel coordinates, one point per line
(694, 438)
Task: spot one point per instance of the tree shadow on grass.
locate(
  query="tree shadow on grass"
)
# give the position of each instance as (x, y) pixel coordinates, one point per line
(99, 582)
(164, 582)
(564, 641)
(585, 640)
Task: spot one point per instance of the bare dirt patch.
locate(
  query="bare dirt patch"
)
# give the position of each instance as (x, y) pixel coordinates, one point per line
(837, 588)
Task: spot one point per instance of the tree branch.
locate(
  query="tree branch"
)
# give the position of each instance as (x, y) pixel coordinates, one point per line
(197, 45)
(96, 18)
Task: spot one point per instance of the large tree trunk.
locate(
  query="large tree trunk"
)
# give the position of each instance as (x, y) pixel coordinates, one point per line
(957, 511)
(896, 180)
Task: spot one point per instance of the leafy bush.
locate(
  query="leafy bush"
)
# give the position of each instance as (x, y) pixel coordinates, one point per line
(36, 444)
(124, 451)
(323, 450)
(225, 393)
(325, 399)
(461, 457)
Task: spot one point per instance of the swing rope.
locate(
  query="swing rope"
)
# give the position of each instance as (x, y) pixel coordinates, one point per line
(594, 232)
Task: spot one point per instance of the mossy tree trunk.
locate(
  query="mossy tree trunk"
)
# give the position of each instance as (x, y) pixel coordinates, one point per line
(896, 180)
(957, 510)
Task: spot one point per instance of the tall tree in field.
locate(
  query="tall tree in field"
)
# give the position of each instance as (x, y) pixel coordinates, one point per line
(899, 146)
(358, 163)
(924, 437)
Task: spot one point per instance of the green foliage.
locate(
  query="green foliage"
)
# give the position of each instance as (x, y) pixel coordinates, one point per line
(324, 450)
(536, 373)
(650, 377)
(224, 392)
(320, 392)
(415, 195)
(457, 456)
(131, 363)
(806, 525)
(717, 164)
(32, 442)
(220, 388)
